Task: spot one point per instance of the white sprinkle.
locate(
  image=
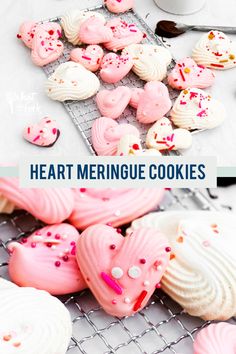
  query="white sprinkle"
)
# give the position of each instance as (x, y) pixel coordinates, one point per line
(53, 247)
(127, 300)
(64, 237)
(134, 272)
(67, 250)
(159, 267)
(117, 272)
(146, 283)
(117, 213)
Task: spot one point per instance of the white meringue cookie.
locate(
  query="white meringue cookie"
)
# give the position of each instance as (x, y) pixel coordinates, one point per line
(195, 109)
(33, 322)
(71, 81)
(72, 20)
(150, 61)
(130, 145)
(5, 284)
(201, 276)
(162, 136)
(216, 51)
(5, 205)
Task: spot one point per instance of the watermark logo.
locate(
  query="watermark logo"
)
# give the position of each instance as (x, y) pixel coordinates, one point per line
(22, 102)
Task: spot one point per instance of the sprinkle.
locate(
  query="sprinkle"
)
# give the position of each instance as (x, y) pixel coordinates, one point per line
(57, 264)
(217, 65)
(224, 61)
(180, 239)
(119, 231)
(51, 32)
(112, 247)
(114, 302)
(37, 137)
(86, 58)
(182, 75)
(211, 35)
(146, 283)
(231, 56)
(134, 272)
(24, 240)
(138, 303)
(206, 243)
(185, 92)
(17, 344)
(117, 213)
(158, 286)
(135, 147)
(182, 102)
(142, 261)
(111, 283)
(57, 237)
(65, 258)
(82, 190)
(202, 113)
(18, 36)
(117, 272)
(172, 256)
(53, 247)
(33, 244)
(7, 338)
(49, 233)
(127, 300)
(54, 131)
(187, 70)
(168, 249)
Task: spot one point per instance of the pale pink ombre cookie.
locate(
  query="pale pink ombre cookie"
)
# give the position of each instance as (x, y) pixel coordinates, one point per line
(45, 48)
(89, 57)
(135, 97)
(119, 6)
(187, 73)
(115, 206)
(46, 260)
(106, 134)
(217, 338)
(124, 34)
(94, 31)
(115, 67)
(154, 103)
(112, 103)
(123, 272)
(28, 29)
(45, 133)
(51, 205)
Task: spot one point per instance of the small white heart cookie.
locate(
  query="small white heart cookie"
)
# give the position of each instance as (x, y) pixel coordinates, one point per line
(162, 136)
(71, 81)
(130, 145)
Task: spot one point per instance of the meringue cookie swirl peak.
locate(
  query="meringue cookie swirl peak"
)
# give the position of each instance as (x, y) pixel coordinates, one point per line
(71, 81)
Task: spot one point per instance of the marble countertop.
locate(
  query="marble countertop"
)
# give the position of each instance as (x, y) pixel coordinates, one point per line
(22, 84)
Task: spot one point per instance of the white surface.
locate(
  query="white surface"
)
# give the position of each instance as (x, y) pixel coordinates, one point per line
(23, 99)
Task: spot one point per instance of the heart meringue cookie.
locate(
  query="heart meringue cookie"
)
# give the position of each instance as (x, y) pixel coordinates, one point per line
(201, 275)
(46, 260)
(124, 34)
(33, 321)
(125, 277)
(116, 206)
(135, 97)
(71, 81)
(51, 205)
(130, 145)
(162, 136)
(94, 31)
(90, 57)
(150, 61)
(112, 103)
(106, 134)
(115, 67)
(45, 133)
(119, 6)
(217, 338)
(187, 73)
(154, 103)
(72, 20)
(195, 109)
(216, 51)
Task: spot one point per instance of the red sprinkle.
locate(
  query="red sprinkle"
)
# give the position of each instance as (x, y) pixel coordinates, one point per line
(82, 190)
(218, 65)
(57, 263)
(51, 32)
(138, 303)
(65, 258)
(182, 75)
(18, 35)
(158, 286)
(112, 247)
(142, 260)
(135, 147)
(168, 249)
(54, 131)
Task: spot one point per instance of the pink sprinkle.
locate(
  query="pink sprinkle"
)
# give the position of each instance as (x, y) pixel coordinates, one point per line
(73, 251)
(114, 302)
(54, 131)
(37, 137)
(59, 33)
(42, 43)
(49, 234)
(158, 286)
(72, 243)
(57, 237)
(57, 263)
(82, 190)
(65, 258)
(85, 57)
(33, 244)
(111, 283)
(133, 30)
(28, 130)
(193, 94)
(50, 48)
(202, 113)
(182, 102)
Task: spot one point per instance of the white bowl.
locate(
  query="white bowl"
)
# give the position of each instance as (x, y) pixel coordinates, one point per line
(180, 7)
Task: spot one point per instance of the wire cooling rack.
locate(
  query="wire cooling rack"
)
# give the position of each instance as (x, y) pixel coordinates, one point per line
(161, 327)
(83, 113)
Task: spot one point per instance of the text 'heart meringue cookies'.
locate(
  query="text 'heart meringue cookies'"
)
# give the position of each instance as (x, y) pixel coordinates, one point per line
(46, 260)
(154, 103)
(124, 34)
(115, 67)
(106, 134)
(90, 57)
(34, 321)
(45, 133)
(116, 206)
(150, 61)
(201, 274)
(195, 109)
(125, 277)
(94, 31)
(112, 103)
(187, 73)
(162, 136)
(215, 50)
(130, 145)
(217, 338)
(72, 20)
(119, 6)
(71, 81)
(51, 205)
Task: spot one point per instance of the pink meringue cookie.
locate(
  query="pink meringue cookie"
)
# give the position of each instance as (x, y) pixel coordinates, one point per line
(217, 338)
(115, 206)
(135, 97)
(119, 6)
(124, 34)
(106, 134)
(46, 260)
(123, 272)
(94, 31)
(112, 103)
(89, 57)
(187, 73)
(45, 133)
(154, 103)
(115, 67)
(51, 205)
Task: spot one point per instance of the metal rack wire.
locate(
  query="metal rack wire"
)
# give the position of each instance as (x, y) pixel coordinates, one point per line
(161, 327)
